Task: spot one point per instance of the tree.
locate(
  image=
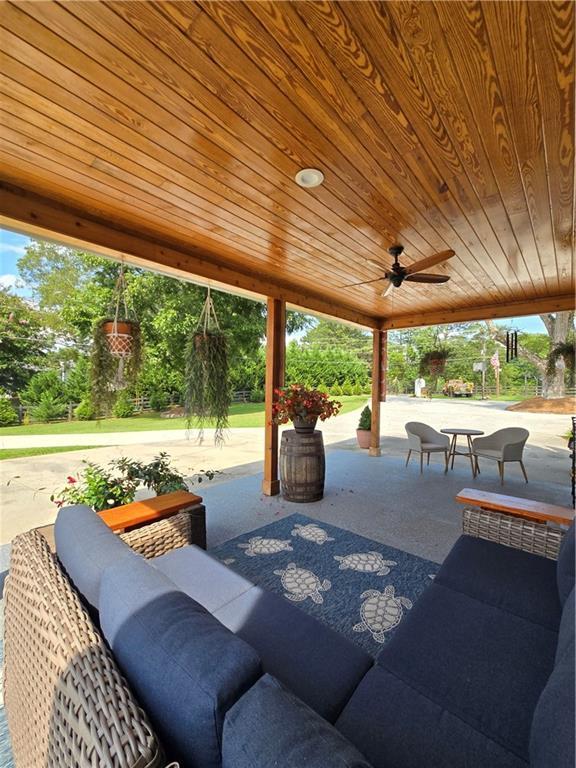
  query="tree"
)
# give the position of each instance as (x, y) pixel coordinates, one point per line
(23, 341)
(331, 335)
(560, 328)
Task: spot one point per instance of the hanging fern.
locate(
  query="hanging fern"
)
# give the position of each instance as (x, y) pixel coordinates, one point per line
(207, 391)
(565, 350)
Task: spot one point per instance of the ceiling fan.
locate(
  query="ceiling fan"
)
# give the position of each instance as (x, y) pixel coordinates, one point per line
(397, 274)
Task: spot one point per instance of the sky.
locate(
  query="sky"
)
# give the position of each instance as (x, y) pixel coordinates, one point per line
(13, 245)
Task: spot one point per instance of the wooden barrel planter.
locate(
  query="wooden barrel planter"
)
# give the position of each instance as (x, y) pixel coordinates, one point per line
(302, 466)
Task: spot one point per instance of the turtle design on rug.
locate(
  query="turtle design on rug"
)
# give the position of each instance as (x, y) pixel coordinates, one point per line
(381, 612)
(300, 583)
(311, 532)
(260, 546)
(365, 562)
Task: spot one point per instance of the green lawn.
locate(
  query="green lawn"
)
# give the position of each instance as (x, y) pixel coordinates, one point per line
(19, 453)
(241, 415)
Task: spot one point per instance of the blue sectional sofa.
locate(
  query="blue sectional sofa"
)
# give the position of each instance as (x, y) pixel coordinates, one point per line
(480, 674)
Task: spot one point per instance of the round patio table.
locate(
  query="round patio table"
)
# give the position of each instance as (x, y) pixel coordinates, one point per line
(453, 451)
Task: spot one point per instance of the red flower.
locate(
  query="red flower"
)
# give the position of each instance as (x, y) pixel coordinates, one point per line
(71, 480)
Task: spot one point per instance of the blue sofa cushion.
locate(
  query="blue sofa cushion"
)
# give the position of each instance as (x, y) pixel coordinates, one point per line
(396, 726)
(507, 578)
(566, 565)
(473, 662)
(269, 727)
(184, 666)
(201, 576)
(485, 665)
(319, 665)
(86, 547)
(552, 736)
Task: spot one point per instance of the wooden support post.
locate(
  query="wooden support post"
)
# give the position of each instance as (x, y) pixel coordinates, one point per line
(379, 363)
(275, 357)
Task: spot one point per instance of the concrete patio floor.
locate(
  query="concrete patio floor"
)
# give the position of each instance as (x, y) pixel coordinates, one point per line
(26, 484)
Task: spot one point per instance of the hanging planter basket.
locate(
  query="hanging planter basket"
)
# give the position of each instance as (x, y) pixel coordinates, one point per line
(116, 351)
(434, 362)
(119, 336)
(207, 391)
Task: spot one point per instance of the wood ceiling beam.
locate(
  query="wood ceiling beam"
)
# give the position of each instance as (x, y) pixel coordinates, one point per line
(33, 214)
(566, 302)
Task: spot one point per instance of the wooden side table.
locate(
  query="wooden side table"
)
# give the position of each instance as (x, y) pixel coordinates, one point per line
(453, 452)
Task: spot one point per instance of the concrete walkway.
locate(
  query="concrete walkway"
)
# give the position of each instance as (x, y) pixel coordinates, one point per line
(26, 484)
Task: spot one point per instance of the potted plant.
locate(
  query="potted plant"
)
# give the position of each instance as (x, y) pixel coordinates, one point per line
(434, 362)
(303, 407)
(116, 484)
(364, 431)
(116, 351)
(207, 389)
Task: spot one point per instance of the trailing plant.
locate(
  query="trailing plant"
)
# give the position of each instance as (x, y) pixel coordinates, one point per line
(434, 361)
(207, 394)
(298, 402)
(116, 484)
(365, 421)
(567, 351)
(116, 351)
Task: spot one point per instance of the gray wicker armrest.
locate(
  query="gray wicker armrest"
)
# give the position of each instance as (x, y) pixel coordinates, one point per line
(66, 702)
(538, 538)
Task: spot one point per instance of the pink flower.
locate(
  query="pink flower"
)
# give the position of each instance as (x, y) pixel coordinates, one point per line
(71, 480)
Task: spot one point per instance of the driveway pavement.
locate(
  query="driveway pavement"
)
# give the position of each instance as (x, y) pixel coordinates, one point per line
(26, 484)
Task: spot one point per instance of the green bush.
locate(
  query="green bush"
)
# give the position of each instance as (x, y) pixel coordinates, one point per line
(365, 421)
(85, 411)
(347, 388)
(257, 396)
(8, 415)
(158, 400)
(49, 408)
(336, 390)
(41, 384)
(357, 388)
(123, 407)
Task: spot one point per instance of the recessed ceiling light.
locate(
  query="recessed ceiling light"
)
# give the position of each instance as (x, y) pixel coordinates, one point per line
(309, 177)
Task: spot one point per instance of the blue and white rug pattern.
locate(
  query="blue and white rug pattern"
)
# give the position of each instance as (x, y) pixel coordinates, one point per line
(359, 587)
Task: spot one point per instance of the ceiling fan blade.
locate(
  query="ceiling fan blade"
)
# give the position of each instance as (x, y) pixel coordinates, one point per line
(364, 282)
(426, 277)
(430, 261)
(388, 290)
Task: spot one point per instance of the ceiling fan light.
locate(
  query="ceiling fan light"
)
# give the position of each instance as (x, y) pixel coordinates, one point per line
(309, 178)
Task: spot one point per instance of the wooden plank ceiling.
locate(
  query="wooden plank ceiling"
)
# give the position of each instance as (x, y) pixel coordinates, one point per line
(437, 125)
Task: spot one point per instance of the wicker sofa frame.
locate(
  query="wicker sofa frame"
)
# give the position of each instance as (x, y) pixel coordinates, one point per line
(67, 703)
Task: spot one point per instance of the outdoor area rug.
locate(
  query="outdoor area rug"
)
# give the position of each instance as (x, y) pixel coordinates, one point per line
(357, 586)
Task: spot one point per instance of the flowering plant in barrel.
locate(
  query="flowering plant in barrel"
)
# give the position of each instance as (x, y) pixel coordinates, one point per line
(303, 407)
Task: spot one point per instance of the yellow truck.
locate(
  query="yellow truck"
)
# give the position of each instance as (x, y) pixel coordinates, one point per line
(458, 388)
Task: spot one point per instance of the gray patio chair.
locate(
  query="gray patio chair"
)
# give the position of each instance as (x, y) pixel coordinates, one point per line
(423, 439)
(501, 446)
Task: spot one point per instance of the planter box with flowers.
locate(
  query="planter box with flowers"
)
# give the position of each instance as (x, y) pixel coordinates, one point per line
(116, 484)
(302, 460)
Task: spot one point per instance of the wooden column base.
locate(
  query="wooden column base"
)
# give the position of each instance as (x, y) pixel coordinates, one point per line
(374, 452)
(271, 487)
